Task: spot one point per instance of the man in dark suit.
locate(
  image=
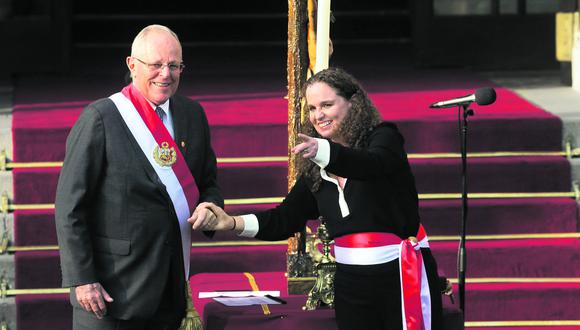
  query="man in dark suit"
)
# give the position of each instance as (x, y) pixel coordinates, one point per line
(136, 166)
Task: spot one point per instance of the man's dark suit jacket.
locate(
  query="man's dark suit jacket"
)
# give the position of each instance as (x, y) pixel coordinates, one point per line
(115, 221)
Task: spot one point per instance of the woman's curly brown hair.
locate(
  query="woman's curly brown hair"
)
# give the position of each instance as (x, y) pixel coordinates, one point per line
(354, 129)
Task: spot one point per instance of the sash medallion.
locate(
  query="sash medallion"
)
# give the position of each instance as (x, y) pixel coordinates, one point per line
(164, 155)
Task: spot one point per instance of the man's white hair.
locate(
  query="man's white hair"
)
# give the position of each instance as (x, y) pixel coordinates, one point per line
(140, 38)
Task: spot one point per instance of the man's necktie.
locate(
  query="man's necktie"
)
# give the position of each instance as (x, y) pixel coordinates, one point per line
(160, 113)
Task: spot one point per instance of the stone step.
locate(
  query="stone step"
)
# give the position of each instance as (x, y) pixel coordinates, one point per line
(485, 302)
(440, 218)
(229, 6)
(269, 179)
(487, 258)
(246, 28)
(40, 129)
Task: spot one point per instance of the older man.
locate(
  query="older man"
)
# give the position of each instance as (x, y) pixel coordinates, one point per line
(137, 164)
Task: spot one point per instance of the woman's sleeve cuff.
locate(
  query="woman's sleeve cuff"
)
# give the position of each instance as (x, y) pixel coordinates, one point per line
(251, 226)
(322, 157)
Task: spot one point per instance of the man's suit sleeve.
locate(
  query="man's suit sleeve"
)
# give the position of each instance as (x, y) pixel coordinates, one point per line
(208, 187)
(77, 184)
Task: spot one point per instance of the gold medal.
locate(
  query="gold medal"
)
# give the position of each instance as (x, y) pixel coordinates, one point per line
(164, 156)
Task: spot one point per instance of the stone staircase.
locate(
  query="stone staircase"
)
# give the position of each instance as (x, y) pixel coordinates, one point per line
(232, 36)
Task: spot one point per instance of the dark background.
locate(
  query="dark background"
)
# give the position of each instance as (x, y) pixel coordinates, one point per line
(73, 37)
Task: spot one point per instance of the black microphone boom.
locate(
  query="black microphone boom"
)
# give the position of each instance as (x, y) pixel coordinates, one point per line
(482, 96)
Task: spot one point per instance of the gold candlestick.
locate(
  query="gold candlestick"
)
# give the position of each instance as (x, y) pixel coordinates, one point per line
(323, 291)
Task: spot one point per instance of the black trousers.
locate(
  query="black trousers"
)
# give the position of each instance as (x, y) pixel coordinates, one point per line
(83, 320)
(167, 317)
(369, 297)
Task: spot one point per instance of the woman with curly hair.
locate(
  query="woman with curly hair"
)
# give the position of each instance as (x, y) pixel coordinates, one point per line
(355, 174)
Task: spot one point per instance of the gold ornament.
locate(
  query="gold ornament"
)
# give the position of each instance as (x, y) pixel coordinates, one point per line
(164, 156)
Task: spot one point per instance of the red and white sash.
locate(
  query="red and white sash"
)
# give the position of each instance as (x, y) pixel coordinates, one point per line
(150, 133)
(376, 248)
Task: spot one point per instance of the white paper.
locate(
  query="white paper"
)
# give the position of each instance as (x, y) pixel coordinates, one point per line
(233, 294)
(246, 301)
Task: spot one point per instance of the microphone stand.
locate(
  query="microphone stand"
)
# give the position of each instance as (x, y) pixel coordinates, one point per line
(461, 255)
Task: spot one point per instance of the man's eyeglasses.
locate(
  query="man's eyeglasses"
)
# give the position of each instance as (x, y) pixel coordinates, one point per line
(173, 67)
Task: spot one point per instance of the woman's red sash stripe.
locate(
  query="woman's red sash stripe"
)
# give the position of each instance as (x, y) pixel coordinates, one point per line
(411, 269)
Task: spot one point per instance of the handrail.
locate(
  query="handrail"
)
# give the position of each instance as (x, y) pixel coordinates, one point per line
(436, 238)
(7, 206)
(7, 164)
(6, 292)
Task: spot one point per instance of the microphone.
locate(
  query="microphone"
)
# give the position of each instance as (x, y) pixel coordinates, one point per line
(482, 96)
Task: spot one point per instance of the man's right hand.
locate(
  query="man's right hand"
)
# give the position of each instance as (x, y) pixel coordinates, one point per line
(92, 298)
(219, 219)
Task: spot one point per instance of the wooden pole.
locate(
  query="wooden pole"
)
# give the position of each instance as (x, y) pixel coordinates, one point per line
(297, 68)
(322, 35)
